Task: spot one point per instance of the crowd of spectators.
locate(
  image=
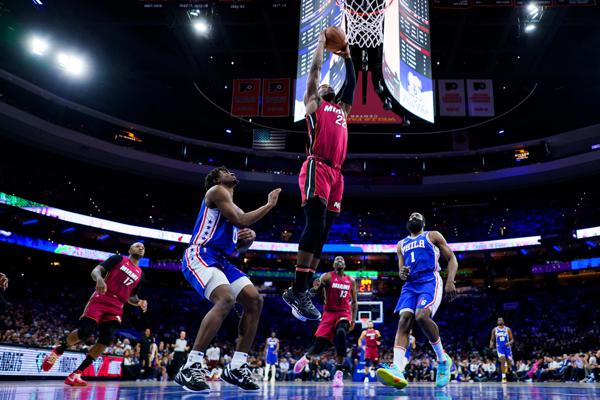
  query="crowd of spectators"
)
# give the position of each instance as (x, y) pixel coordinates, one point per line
(554, 340)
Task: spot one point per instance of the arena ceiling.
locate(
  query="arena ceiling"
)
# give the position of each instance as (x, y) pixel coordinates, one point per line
(143, 63)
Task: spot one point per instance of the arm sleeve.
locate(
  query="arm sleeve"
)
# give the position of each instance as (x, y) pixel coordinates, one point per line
(111, 262)
(350, 84)
(136, 289)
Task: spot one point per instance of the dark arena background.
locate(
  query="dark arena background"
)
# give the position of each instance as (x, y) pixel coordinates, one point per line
(481, 115)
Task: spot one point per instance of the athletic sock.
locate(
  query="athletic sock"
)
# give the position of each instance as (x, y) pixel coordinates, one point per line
(300, 283)
(195, 356)
(84, 364)
(309, 278)
(400, 357)
(238, 359)
(439, 350)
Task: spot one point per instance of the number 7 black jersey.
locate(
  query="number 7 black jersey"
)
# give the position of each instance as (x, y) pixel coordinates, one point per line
(122, 279)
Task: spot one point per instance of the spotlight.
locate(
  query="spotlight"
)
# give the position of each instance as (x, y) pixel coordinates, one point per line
(201, 26)
(529, 28)
(533, 9)
(38, 46)
(72, 64)
(398, 135)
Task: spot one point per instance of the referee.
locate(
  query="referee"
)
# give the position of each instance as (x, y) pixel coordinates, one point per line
(180, 348)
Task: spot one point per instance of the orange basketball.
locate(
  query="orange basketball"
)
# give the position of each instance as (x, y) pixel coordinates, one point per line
(335, 39)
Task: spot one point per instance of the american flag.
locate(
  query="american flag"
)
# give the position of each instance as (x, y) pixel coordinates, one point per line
(264, 139)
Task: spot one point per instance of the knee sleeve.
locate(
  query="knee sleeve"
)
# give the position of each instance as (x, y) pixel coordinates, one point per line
(320, 345)
(315, 214)
(340, 338)
(328, 223)
(86, 328)
(106, 332)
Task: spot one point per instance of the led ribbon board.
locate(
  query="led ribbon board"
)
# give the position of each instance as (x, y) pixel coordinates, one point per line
(279, 247)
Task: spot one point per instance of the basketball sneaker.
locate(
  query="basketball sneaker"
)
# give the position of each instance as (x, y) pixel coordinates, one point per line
(338, 379)
(392, 376)
(74, 379)
(443, 372)
(50, 360)
(301, 304)
(300, 365)
(241, 377)
(193, 378)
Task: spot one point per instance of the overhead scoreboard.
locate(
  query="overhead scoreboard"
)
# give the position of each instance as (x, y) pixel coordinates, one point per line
(407, 56)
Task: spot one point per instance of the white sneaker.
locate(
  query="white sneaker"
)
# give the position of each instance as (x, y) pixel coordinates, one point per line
(366, 379)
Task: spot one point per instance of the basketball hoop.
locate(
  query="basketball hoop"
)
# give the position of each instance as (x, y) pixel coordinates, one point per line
(364, 322)
(364, 21)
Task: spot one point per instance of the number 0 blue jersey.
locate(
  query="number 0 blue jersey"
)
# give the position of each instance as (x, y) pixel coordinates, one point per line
(214, 231)
(421, 256)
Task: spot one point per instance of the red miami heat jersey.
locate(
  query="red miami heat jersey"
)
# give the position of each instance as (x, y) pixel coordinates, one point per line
(371, 338)
(338, 293)
(121, 279)
(327, 133)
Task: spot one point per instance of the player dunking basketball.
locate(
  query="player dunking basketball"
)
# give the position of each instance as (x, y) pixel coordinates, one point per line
(321, 181)
(502, 339)
(338, 318)
(117, 282)
(206, 266)
(420, 298)
(372, 339)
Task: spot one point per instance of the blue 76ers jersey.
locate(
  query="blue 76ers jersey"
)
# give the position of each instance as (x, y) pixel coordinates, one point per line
(214, 231)
(272, 345)
(421, 256)
(502, 338)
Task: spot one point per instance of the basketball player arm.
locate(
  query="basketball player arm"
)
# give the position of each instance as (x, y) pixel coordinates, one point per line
(311, 97)
(135, 301)
(493, 338)
(438, 240)
(403, 269)
(360, 338)
(511, 339)
(354, 294)
(223, 200)
(348, 94)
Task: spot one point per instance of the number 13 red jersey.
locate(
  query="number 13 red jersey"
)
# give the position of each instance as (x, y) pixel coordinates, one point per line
(328, 133)
(338, 293)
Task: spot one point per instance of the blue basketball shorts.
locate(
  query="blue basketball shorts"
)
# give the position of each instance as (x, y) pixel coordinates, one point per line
(504, 351)
(426, 295)
(206, 269)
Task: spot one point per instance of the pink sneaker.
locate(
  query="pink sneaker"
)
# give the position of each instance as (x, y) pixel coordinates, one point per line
(74, 379)
(338, 379)
(300, 364)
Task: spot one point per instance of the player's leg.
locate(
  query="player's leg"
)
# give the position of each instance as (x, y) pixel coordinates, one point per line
(297, 297)
(427, 304)
(329, 218)
(406, 306)
(211, 283)
(238, 372)
(87, 326)
(106, 333)
(266, 374)
(503, 366)
(339, 341)
(324, 337)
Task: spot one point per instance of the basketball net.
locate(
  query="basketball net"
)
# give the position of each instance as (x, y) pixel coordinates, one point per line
(364, 322)
(364, 21)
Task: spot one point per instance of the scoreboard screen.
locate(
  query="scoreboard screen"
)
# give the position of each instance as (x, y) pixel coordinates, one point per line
(315, 16)
(365, 286)
(407, 56)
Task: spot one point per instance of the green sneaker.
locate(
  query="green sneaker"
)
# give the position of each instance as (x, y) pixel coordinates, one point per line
(392, 376)
(443, 372)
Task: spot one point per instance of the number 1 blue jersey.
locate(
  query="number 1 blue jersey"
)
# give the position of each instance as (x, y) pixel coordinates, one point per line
(421, 256)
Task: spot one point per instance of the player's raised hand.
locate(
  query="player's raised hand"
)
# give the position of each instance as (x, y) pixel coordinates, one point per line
(273, 197)
(3, 281)
(143, 304)
(100, 286)
(246, 235)
(450, 291)
(345, 52)
(404, 272)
